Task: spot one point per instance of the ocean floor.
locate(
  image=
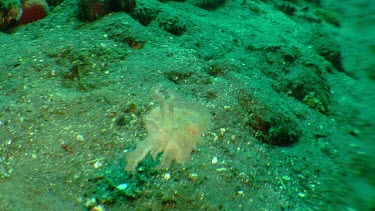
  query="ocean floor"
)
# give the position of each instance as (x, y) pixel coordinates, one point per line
(289, 87)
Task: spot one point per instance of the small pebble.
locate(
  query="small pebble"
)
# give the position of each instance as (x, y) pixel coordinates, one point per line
(80, 138)
(214, 160)
(167, 176)
(122, 186)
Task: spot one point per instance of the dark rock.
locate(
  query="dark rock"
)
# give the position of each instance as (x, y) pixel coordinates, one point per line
(208, 4)
(173, 25)
(90, 10)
